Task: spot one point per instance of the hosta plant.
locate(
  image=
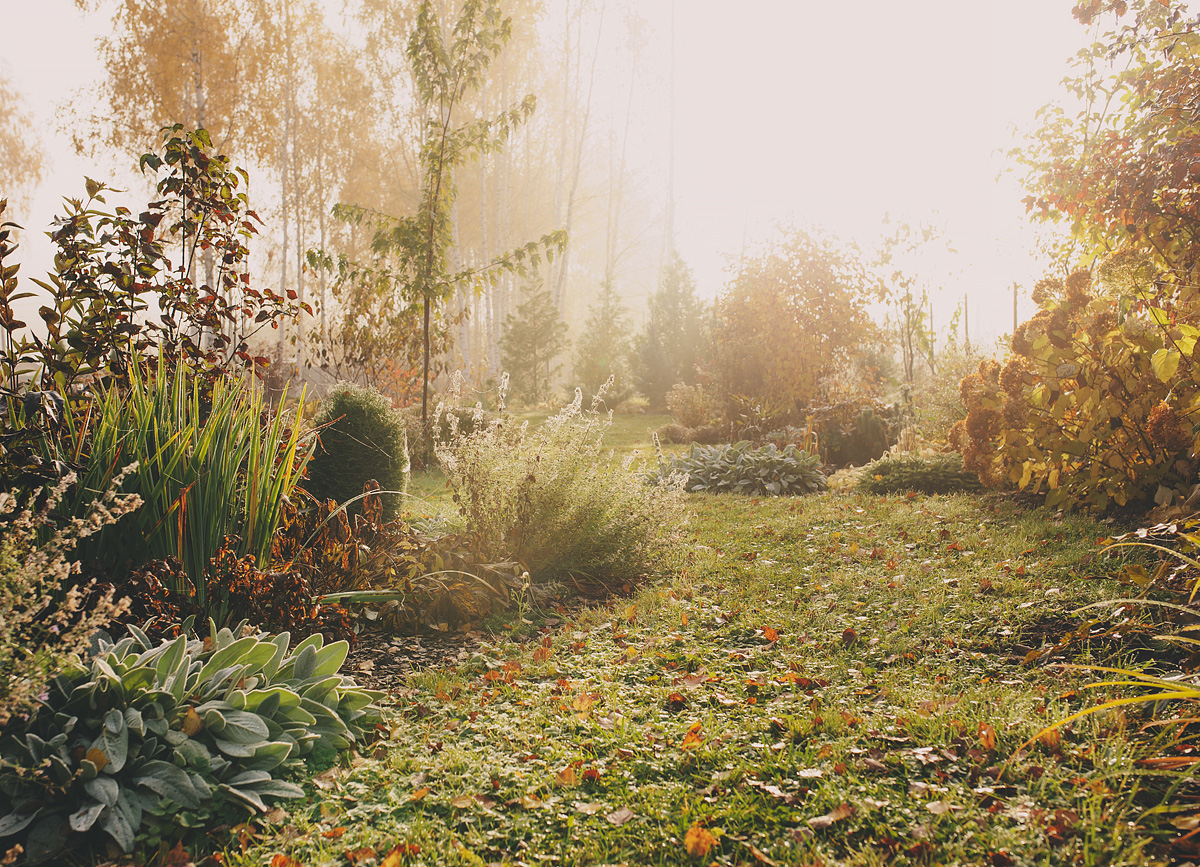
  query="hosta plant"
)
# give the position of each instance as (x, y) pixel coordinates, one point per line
(744, 469)
(150, 740)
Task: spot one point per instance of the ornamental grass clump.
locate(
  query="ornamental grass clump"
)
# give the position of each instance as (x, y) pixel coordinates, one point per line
(215, 469)
(555, 499)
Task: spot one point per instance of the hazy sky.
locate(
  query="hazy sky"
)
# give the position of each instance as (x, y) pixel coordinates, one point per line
(815, 112)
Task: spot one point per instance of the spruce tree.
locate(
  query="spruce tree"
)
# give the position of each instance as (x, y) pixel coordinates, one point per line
(670, 346)
(604, 348)
(531, 340)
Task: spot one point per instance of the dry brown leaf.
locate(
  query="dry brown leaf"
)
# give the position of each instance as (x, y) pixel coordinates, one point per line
(987, 737)
(419, 794)
(621, 816)
(588, 808)
(698, 840)
(97, 758)
(359, 855)
(693, 738)
(191, 722)
(566, 777)
(842, 811)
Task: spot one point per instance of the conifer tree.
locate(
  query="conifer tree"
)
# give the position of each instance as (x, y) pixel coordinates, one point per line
(532, 338)
(604, 348)
(670, 346)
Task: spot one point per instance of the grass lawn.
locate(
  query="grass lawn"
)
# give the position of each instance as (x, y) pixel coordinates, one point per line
(830, 680)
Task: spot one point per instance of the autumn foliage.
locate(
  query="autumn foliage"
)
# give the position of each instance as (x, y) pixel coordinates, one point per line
(1091, 409)
(787, 320)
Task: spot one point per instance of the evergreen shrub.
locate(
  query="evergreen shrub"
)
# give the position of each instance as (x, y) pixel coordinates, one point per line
(361, 438)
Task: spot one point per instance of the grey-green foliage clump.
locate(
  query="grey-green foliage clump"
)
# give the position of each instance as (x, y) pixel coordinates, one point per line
(941, 474)
(362, 438)
(743, 468)
(149, 740)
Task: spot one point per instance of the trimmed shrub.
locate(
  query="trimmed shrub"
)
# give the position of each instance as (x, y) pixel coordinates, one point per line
(150, 740)
(361, 438)
(943, 474)
(741, 468)
(556, 500)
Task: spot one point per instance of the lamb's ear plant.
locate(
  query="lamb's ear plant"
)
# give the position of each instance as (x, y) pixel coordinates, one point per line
(147, 741)
(742, 468)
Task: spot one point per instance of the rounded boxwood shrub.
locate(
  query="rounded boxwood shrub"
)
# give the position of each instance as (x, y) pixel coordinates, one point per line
(361, 438)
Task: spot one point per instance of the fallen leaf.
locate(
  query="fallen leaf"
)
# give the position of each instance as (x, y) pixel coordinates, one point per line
(583, 702)
(398, 853)
(987, 737)
(693, 738)
(761, 857)
(276, 817)
(698, 840)
(849, 636)
(177, 857)
(462, 802)
(842, 811)
(359, 855)
(939, 808)
(97, 758)
(281, 860)
(588, 808)
(621, 816)
(333, 833)
(770, 634)
(191, 722)
(566, 777)
(542, 654)
(419, 794)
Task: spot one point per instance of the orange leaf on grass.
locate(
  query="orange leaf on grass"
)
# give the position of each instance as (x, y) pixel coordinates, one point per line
(361, 854)
(693, 738)
(772, 635)
(281, 860)
(333, 833)
(698, 840)
(987, 737)
(542, 654)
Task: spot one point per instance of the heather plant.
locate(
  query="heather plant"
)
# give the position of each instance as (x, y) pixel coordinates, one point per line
(46, 616)
(555, 499)
(361, 438)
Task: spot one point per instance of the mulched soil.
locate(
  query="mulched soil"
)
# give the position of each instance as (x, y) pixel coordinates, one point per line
(384, 661)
